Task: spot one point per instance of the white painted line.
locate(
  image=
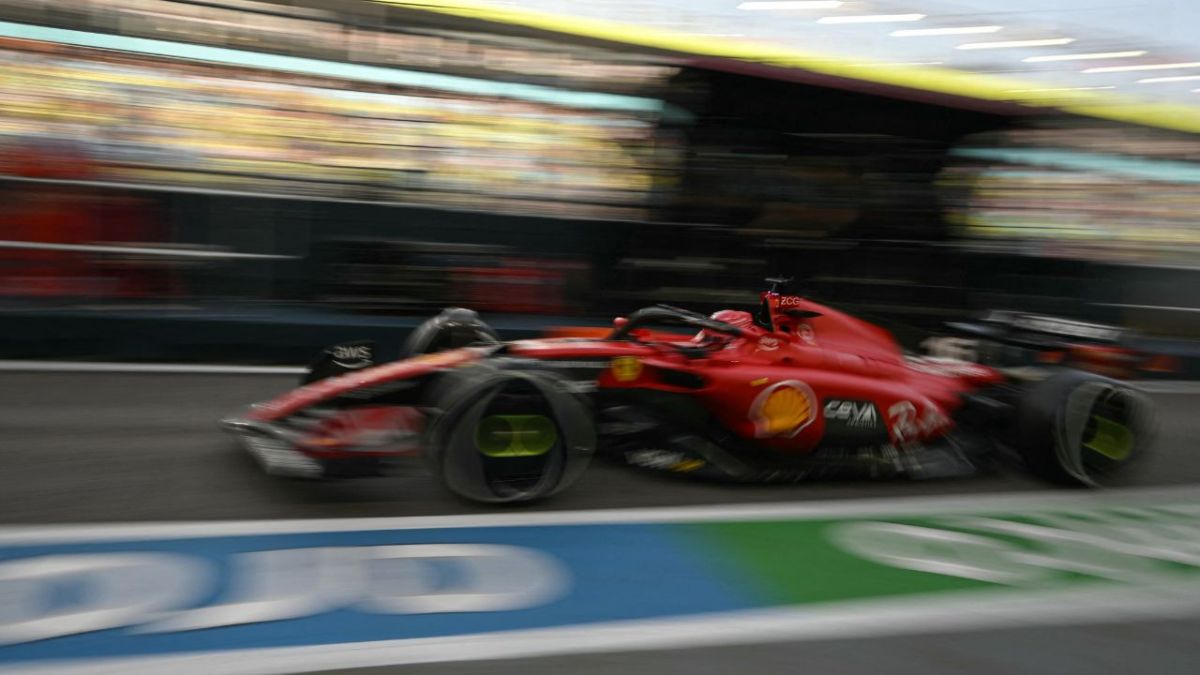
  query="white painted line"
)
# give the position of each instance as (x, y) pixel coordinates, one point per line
(1165, 308)
(142, 250)
(998, 608)
(154, 368)
(1168, 386)
(221, 192)
(882, 507)
(1149, 386)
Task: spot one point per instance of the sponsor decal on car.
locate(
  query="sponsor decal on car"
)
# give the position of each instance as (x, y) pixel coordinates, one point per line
(352, 357)
(768, 343)
(907, 423)
(853, 414)
(626, 368)
(783, 409)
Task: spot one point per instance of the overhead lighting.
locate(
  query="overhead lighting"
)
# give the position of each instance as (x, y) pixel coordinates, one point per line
(961, 30)
(1053, 89)
(871, 18)
(1174, 78)
(1084, 57)
(1152, 66)
(768, 5)
(1012, 44)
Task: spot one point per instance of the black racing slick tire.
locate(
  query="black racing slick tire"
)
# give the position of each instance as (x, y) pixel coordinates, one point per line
(1083, 429)
(506, 435)
(454, 327)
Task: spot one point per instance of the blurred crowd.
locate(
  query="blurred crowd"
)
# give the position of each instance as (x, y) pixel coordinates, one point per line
(131, 119)
(1111, 195)
(108, 147)
(368, 33)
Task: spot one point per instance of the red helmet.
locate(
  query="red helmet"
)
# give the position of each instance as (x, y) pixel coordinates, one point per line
(734, 317)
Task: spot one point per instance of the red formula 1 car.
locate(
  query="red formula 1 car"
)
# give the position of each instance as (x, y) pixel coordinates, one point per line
(797, 391)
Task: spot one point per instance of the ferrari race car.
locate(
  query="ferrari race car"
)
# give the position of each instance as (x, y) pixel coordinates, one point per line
(796, 391)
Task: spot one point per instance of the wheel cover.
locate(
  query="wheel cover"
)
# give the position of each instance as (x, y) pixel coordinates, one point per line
(515, 435)
(1100, 428)
(1109, 438)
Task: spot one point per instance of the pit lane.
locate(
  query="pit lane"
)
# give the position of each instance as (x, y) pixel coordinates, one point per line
(103, 447)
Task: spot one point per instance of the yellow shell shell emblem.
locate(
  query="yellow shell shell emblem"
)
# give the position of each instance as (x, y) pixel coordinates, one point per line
(626, 368)
(782, 409)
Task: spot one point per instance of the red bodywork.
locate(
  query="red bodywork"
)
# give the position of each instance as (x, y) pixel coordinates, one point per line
(770, 385)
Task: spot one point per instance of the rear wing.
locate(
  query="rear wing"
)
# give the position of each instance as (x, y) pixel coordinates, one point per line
(1036, 331)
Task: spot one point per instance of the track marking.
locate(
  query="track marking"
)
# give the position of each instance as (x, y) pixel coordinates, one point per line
(966, 612)
(1168, 386)
(17, 366)
(875, 507)
(143, 250)
(152, 368)
(927, 613)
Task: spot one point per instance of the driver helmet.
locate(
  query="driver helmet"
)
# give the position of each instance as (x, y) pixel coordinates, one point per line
(733, 317)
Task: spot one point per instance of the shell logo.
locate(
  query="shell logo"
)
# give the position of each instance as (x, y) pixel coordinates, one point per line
(783, 409)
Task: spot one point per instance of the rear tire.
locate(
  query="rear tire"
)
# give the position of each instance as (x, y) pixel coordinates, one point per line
(1083, 429)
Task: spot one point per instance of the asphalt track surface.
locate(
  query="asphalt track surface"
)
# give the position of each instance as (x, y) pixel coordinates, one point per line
(85, 448)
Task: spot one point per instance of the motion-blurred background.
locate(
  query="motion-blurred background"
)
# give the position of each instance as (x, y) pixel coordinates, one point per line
(242, 180)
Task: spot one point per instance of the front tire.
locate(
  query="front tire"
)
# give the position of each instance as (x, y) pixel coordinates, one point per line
(504, 435)
(455, 327)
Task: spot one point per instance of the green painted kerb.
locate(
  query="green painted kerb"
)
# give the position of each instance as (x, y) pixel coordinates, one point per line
(838, 559)
(794, 563)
